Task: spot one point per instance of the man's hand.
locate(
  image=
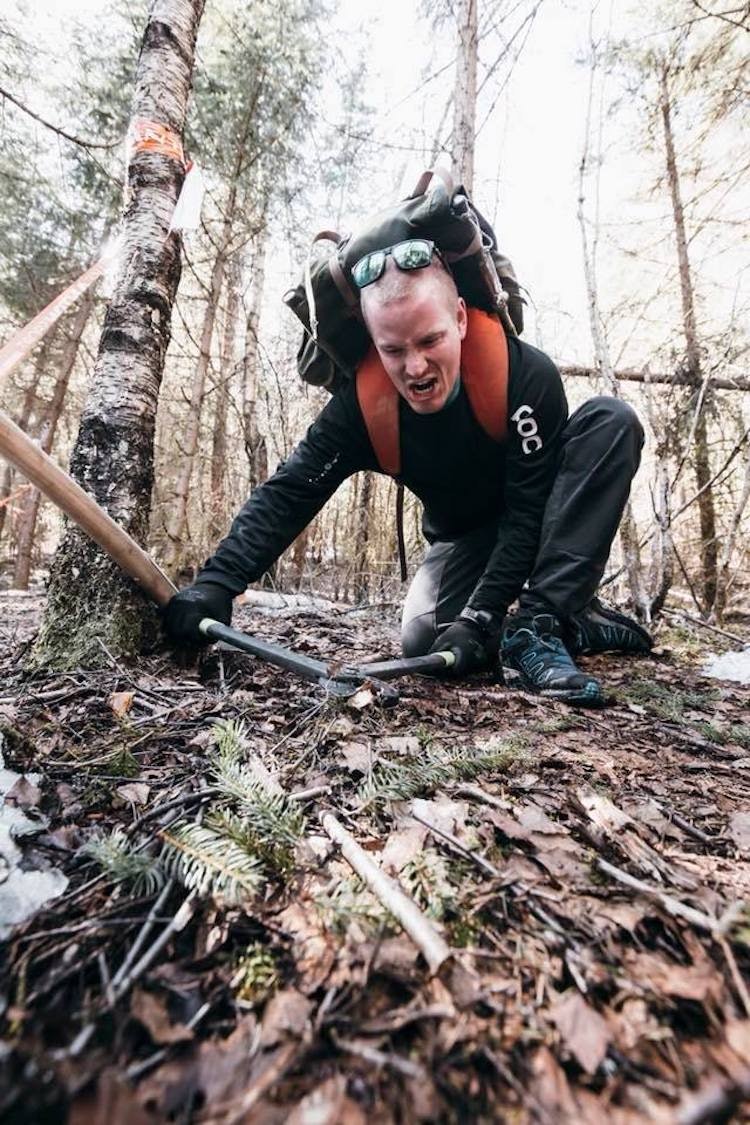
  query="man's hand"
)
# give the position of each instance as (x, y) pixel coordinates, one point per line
(471, 645)
(184, 612)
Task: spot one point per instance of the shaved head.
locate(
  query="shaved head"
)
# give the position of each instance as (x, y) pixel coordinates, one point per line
(397, 286)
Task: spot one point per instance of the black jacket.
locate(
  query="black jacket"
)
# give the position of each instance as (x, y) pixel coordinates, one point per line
(463, 478)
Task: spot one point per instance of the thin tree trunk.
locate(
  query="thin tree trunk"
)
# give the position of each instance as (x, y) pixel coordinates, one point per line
(94, 612)
(628, 530)
(30, 508)
(227, 373)
(22, 419)
(465, 97)
(731, 542)
(362, 538)
(178, 523)
(255, 445)
(701, 459)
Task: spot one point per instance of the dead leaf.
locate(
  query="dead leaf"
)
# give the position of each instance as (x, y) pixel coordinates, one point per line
(314, 952)
(286, 1015)
(356, 755)
(113, 1102)
(700, 981)
(402, 847)
(534, 819)
(585, 1033)
(327, 1104)
(446, 815)
(399, 744)
(151, 1011)
(121, 702)
(24, 794)
(601, 811)
(361, 699)
(134, 793)
(738, 1038)
(739, 829)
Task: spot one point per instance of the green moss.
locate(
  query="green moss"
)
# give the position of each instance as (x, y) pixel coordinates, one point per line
(94, 614)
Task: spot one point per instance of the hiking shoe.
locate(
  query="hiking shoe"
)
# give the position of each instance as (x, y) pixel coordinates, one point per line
(599, 628)
(535, 659)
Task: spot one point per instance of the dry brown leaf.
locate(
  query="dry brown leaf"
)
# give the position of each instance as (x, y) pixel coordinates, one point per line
(739, 829)
(151, 1011)
(314, 952)
(113, 1102)
(327, 1104)
(356, 755)
(701, 981)
(401, 847)
(738, 1038)
(24, 794)
(121, 702)
(361, 699)
(399, 744)
(286, 1014)
(134, 793)
(585, 1033)
(549, 1087)
(534, 819)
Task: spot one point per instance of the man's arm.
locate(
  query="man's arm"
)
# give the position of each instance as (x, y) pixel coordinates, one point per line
(537, 414)
(335, 446)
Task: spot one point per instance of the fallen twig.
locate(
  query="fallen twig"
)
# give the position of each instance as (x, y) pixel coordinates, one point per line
(432, 946)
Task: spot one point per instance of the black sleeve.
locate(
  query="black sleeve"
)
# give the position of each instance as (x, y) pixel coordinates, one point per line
(537, 413)
(335, 446)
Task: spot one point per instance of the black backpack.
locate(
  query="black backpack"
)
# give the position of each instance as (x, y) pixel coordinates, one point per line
(327, 300)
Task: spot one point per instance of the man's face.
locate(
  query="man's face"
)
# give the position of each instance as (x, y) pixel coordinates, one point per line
(418, 338)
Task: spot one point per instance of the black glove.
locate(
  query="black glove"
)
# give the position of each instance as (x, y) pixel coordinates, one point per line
(472, 645)
(184, 612)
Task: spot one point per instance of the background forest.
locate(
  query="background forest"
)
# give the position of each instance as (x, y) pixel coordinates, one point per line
(608, 145)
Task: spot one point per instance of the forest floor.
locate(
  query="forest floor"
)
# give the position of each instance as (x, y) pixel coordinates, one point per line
(588, 870)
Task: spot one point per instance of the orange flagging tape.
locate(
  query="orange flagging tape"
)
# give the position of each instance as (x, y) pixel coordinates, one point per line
(150, 136)
(26, 339)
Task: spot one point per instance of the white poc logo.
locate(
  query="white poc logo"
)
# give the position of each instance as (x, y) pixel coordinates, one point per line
(527, 429)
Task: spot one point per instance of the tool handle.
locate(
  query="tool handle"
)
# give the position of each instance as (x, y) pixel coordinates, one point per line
(390, 669)
(265, 650)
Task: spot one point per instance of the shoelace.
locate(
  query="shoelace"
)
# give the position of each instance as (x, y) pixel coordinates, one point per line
(544, 654)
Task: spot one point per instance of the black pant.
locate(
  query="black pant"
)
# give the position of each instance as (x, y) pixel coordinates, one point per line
(600, 452)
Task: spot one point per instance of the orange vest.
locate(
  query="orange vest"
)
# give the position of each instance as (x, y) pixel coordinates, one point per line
(484, 373)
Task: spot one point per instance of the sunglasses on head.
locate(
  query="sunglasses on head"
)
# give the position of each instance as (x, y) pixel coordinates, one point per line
(414, 254)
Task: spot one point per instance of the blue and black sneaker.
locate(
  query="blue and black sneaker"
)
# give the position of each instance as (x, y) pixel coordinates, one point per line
(599, 628)
(535, 659)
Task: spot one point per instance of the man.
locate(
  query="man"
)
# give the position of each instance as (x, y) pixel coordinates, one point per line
(534, 515)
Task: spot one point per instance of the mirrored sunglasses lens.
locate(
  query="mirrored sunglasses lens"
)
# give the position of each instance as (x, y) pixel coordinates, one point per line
(369, 268)
(413, 255)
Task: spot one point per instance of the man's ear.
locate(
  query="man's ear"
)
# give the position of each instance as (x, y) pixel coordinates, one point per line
(462, 318)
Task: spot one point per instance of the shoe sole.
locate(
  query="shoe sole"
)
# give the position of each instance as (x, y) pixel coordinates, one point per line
(590, 696)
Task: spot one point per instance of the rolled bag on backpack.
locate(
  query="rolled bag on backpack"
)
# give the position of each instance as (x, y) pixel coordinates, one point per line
(327, 301)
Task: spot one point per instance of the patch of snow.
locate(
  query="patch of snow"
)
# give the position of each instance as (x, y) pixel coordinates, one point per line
(729, 666)
(22, 891)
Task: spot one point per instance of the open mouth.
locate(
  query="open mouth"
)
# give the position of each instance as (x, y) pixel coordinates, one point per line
(424, 388)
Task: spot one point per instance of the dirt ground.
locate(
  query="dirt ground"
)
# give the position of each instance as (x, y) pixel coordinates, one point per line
(581, 882)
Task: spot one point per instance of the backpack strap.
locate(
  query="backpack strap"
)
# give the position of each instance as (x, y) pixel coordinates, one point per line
(484, 372)
(378, 401)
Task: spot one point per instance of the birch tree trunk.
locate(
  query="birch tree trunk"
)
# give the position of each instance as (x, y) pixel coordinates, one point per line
(30, 508)
(628, 530)
(92, 609)
(465, 96)
(701, 458)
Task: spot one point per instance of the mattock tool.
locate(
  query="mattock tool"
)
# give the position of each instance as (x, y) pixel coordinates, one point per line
(340, 680)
